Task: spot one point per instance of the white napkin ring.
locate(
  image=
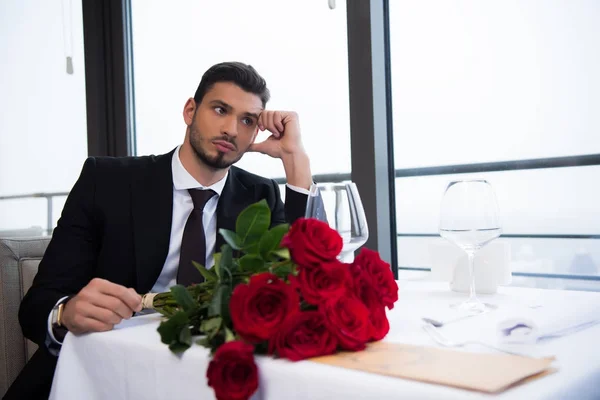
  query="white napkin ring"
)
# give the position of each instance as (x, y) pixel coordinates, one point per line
(517, 330)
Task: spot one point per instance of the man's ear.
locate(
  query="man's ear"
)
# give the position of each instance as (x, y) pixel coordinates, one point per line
(189, 110)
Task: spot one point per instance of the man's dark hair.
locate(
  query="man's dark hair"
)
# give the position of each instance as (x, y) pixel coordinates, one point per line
(243, 75)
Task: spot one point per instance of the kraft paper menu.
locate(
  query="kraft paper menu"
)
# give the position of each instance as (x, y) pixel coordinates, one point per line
(483, 372)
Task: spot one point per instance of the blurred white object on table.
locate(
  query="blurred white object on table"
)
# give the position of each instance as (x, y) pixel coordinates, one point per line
(492, 266)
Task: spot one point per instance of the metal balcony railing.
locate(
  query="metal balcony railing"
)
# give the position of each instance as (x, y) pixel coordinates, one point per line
(49, 208)
(544, 163)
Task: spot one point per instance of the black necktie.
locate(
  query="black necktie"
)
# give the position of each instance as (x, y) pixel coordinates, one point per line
(193, 244)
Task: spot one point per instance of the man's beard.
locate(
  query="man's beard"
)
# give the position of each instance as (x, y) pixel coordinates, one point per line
(215, 162)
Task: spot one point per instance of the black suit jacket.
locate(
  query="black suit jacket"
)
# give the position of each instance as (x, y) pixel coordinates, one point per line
(116, 225)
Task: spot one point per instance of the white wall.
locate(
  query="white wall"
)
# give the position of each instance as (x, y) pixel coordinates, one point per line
(43, 140)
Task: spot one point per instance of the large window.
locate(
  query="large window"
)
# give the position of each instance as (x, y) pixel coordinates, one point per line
(477, 84)
(299, 47)
(43, 141)
(507, 91)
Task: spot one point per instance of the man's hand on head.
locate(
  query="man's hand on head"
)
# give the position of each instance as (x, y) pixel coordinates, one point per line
(285, 143)
(99, 306)
(285, 134)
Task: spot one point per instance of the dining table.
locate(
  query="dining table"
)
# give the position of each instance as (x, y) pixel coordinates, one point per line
(131, 362)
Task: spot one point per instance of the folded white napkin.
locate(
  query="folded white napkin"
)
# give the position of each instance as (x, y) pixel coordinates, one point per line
(527, 330)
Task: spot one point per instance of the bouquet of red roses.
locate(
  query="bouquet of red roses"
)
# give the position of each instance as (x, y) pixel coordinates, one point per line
(278, 291)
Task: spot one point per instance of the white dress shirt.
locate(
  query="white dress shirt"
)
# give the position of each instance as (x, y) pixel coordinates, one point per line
(182, 207)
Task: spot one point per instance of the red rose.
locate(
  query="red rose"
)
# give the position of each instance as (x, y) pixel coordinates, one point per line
(328, 281)
(348, 318)
(366, 292)
(259, 308)
(381, 275)
(232, 373)
(303, 336)
(312, 242)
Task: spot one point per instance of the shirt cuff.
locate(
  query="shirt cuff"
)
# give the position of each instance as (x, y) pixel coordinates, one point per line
(50, 334)
(298, 189)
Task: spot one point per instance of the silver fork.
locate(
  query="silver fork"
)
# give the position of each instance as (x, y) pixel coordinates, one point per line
(443, 340)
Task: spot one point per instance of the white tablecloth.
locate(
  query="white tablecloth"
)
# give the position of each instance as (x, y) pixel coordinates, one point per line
(130, 362)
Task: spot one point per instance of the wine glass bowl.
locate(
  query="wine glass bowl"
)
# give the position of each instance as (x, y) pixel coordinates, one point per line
(339, 205)
(470, 219)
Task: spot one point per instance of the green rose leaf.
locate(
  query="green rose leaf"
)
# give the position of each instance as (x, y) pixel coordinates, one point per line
(226, 258)
(283, 253)
(252, 223)
(209, 276)
(219, 305)
(183, 298)
(270, 241)
(231, 238)
(185, 336)
(170, 331)
(283, 270)
(211, 325)
(229, 336)
(178, 347)
(252, 248)
(252, 263)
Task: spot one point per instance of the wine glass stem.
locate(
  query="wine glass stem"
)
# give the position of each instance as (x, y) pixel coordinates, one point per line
(471, 256)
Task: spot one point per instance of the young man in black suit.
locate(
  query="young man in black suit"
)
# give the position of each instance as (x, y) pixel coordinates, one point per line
(124, 227)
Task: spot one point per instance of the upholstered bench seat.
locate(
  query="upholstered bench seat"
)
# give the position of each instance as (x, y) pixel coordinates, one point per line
(19, 260)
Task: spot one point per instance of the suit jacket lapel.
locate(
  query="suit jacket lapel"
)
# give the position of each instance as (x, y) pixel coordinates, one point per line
(152, 211)
(234, 198)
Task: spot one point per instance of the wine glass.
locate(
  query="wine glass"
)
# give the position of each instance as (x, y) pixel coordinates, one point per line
(340, 206)
(470, 219)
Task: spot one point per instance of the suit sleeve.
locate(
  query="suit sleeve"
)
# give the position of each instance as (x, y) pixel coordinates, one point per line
(69, 260)
(294, 207)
